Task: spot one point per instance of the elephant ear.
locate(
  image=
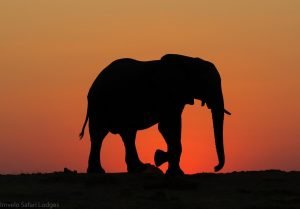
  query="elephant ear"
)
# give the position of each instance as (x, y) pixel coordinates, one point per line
(180, 65)
(189, 99)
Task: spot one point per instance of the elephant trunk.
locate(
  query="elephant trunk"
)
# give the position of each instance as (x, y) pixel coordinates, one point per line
(218, 122)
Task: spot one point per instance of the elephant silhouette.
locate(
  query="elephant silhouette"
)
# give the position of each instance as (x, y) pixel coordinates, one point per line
(131, 95)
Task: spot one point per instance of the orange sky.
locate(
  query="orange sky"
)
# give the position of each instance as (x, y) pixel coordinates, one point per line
(51, 51)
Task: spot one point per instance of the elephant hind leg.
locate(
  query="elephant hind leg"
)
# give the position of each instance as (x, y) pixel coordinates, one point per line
(97, 135)
(133, 162)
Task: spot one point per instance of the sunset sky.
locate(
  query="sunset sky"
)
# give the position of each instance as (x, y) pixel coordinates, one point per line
(51, 52)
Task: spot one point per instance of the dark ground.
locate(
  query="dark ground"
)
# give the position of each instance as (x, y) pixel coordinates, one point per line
(250, 190)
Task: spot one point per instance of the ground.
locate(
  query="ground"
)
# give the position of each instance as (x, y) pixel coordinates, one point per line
(249, 190)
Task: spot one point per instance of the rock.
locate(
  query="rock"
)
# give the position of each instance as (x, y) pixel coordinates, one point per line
(152, 169)
(66, 170)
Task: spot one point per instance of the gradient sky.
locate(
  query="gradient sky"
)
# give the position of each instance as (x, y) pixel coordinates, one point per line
(51, 51)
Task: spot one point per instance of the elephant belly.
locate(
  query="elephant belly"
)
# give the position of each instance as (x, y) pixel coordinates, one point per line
(122, 113)
(130, 120)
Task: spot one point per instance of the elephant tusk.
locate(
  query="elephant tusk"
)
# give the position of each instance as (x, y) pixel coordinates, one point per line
(227, 112)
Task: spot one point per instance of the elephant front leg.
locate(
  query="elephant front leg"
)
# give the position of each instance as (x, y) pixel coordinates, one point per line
(133, 162)
(170, 128)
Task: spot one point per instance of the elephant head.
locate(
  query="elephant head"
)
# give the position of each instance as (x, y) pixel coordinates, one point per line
(213, 97)
(204, 81)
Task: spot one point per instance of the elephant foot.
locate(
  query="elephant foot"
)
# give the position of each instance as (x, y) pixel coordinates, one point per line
(99, 170)
(174, 172)
(138, 168)
(160, 157)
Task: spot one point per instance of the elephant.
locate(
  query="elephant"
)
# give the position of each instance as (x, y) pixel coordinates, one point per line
(130, 95)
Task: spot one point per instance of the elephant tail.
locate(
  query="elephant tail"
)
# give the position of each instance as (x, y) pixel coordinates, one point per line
(85, 122)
